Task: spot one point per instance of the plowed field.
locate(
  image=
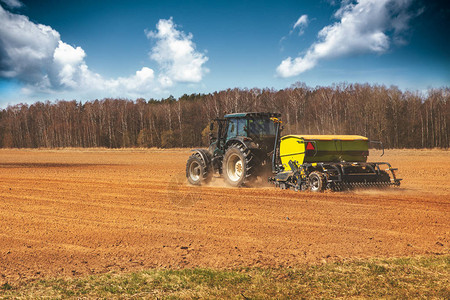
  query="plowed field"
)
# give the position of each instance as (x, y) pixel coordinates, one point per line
(75, 212)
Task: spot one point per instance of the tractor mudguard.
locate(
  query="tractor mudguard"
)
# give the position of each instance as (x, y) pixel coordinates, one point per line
(205, 155)
(248, 143)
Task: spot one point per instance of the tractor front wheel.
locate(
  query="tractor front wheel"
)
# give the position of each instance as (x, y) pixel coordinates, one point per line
(197, 171)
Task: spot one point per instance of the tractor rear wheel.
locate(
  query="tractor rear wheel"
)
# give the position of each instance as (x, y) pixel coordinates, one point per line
(197, 171)
(237, 165)
(316, 182)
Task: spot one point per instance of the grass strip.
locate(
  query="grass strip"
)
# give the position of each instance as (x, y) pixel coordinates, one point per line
(419, 277)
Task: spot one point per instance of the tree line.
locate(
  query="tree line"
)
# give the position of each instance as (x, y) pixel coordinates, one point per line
(398, 119)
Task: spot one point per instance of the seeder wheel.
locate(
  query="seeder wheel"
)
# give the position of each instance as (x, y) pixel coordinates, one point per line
(316, 182)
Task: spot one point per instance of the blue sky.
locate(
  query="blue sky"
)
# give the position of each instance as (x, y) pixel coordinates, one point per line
(85, 50)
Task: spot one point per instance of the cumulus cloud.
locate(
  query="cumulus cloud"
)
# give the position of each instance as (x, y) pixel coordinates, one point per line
(301, 24)
(175, 53)
(35, 55)
(26, 48)
(367, 26)
(69, 62)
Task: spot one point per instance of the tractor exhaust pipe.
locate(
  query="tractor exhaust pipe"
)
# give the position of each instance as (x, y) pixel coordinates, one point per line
(275, 147)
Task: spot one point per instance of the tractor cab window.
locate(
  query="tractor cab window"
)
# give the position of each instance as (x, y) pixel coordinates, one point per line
(241, 127)
(232, 129)
(261, 127)
(237, 127)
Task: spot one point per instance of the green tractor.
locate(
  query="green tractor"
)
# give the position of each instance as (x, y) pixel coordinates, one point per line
(240, 149)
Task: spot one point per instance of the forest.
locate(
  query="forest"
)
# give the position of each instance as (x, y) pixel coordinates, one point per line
(400, 119)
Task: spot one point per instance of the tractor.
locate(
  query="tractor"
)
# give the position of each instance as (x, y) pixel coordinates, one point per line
(240, 148)
(244, 146)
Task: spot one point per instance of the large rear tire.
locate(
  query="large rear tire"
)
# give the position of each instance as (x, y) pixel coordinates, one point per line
(197, 172)
(237, 165)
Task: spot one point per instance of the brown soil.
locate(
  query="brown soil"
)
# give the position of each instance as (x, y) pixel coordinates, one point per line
(76, 212)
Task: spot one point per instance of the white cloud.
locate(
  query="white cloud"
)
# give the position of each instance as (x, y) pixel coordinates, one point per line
(175, 53)
(26, 48)
(363, 27)
(301, 24)
(69, 63)
(12, 3)
(66, 54)
(35, 55)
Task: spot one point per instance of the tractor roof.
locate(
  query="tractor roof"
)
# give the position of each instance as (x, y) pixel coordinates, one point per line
(252, 114)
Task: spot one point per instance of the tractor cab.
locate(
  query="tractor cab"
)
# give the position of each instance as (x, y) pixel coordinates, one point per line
(258, 128)
(254, 127)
